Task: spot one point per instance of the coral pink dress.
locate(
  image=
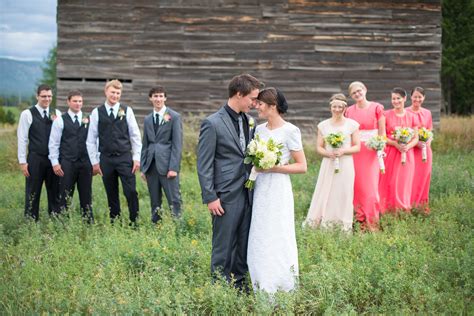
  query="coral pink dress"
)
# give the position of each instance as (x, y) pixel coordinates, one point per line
(421, 182)
(367, 171)
(395, 185)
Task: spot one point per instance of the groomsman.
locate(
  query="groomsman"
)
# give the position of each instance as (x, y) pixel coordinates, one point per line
(161, 154)
(119, 145)
(33, 135)
(68, 155)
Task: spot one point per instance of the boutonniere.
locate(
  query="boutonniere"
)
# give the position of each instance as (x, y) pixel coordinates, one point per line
(85, 121)
(52, 116)
(166, 118)
(251, 122)
(121, 113)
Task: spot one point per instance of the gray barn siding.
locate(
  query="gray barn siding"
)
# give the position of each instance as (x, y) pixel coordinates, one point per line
(309, 49)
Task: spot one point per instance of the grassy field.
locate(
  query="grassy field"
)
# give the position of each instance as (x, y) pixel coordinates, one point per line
(415, 264)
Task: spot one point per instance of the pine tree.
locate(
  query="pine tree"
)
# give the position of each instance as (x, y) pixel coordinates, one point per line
(457, 69)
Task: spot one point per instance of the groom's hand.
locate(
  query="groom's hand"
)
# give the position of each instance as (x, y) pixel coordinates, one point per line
(215, 208)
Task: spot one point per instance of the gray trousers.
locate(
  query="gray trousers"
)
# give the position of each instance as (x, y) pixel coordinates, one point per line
(230, 234)
(158, 183)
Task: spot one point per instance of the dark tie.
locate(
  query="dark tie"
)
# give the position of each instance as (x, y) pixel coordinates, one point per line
(76, 121)
(241, 134)
(111, 115)
(157, 122)
(45, 114)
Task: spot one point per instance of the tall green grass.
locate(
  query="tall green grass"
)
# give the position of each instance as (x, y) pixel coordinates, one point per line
(415, 264)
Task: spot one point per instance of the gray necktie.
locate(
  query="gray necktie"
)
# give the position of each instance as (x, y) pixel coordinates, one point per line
(241, 134)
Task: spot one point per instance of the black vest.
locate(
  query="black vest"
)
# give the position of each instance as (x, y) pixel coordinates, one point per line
(38, 134)
(113, 133)
(73, 140)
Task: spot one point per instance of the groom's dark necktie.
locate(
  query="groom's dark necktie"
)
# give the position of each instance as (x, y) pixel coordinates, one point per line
(241, 134)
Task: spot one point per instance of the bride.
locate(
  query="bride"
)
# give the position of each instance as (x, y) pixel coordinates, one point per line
(272, 255)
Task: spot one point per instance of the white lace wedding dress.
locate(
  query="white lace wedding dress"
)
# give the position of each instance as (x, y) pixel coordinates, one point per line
(272, 255)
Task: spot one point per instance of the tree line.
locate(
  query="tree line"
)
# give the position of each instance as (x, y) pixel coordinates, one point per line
(457, 65)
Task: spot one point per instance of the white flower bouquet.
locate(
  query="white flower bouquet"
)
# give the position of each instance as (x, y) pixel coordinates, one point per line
(378, 144)
(263, 155)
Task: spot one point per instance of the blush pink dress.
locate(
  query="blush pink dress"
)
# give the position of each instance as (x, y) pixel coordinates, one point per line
(421, 182)
(395, 185)
(331, 205)
(367, 171)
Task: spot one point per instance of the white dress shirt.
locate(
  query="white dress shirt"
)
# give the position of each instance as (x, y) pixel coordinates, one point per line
(57, 133)
(161, 114)
(93, 134)
(23, 129)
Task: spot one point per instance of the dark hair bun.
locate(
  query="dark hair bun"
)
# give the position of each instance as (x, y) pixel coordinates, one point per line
(282, 105)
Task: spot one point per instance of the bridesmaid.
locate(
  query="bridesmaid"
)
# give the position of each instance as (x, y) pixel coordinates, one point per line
(421, 183)
(372, 122)
(334, 193)
(396, 184)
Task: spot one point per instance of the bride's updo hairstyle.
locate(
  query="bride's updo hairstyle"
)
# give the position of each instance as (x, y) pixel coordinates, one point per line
(272, 96)
(338, 98)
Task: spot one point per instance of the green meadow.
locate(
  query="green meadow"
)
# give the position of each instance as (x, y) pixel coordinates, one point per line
(416, 263)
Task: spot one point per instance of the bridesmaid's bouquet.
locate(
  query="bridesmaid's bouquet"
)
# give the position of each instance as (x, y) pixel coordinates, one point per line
(263, 155)
(335, 140)
(378, 143)
(424, 135)
(403, 135)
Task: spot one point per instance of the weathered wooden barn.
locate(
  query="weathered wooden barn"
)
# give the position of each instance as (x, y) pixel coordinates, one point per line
(309, 49)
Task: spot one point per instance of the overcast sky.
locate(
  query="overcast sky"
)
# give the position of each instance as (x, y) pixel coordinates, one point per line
(27, 28)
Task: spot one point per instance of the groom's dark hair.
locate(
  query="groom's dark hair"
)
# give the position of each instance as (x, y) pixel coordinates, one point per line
(244, 84)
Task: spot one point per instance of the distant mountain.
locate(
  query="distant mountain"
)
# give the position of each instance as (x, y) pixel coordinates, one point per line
(19, 77)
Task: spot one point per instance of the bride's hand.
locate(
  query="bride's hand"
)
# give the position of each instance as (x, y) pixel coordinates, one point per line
(274, 169)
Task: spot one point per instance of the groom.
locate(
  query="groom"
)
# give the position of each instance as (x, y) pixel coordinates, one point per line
(223, 138)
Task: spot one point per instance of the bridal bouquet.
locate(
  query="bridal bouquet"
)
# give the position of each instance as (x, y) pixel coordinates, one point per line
(378, 143)
(263, 155)
(424, 135)
(335, 140)
(403, 135)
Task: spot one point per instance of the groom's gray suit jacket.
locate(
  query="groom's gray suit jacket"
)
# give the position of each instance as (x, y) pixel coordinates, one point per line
(221, 169)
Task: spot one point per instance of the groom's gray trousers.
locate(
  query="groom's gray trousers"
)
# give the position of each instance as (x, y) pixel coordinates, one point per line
(230, 239)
